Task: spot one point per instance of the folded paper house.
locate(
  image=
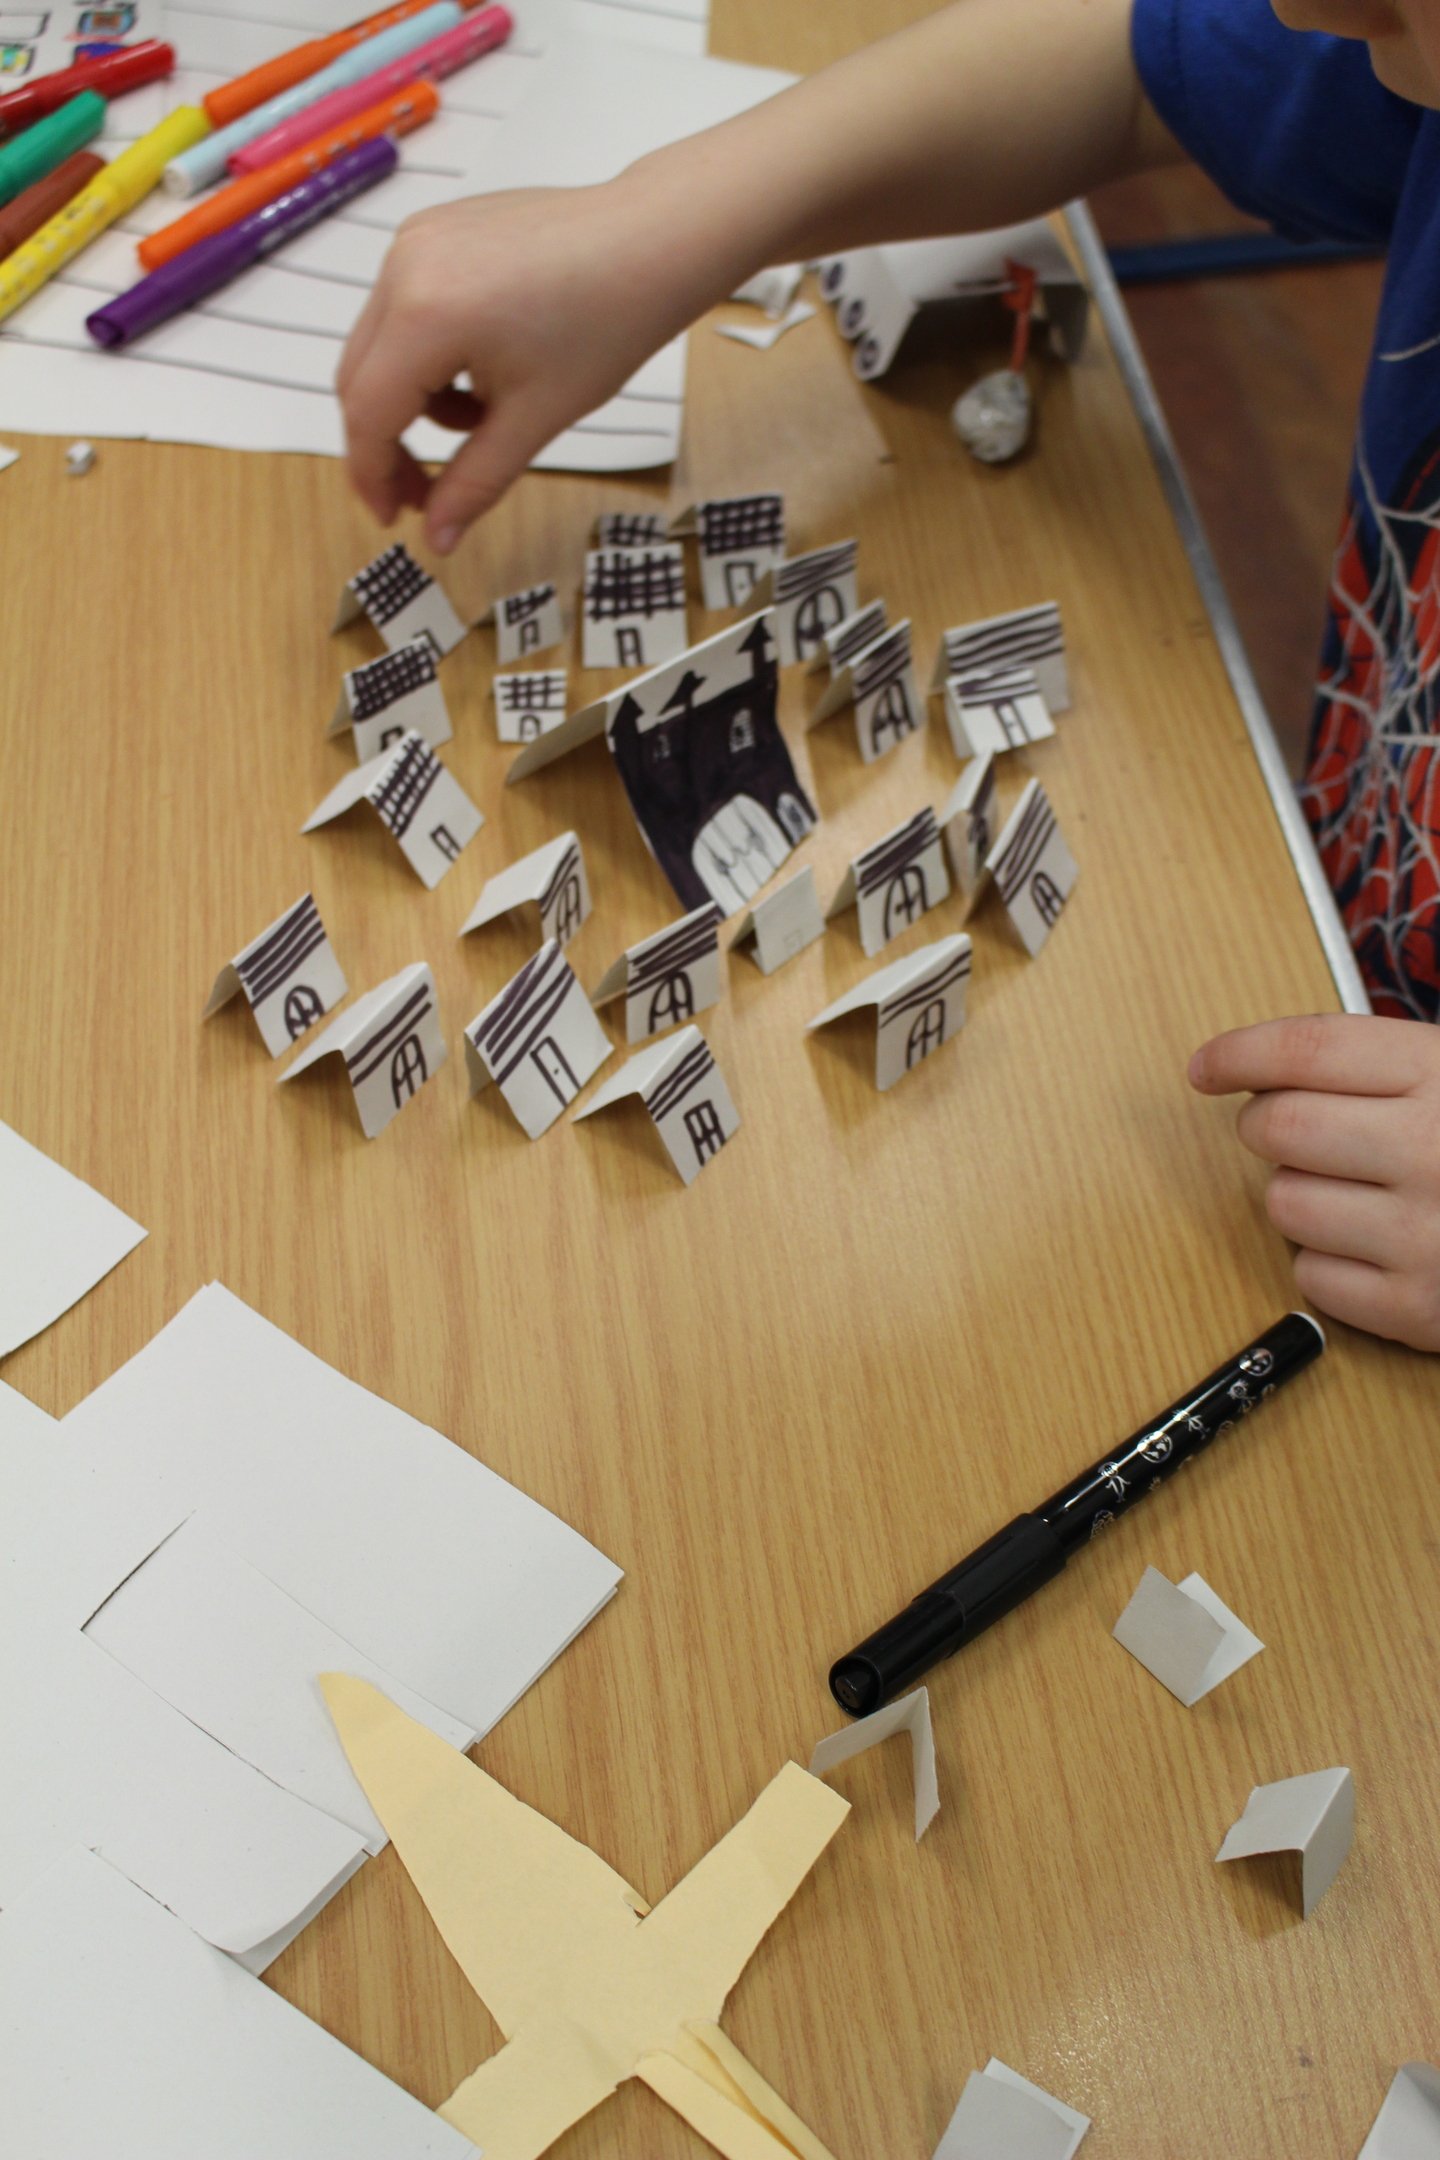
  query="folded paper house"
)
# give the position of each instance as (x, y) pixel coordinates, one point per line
(1313, 1815)
(684, 1092)
(894, 881)
(668, 978)
(910, 1714)
(968, 822)
(391, 1041)
(1185, 1635)
(539, 1041)
(1002, 2116)
(289, 974)
(782, 923)
(421, 805)
(633, 606)
(528, 703)
(1032, 868)
(402, 601)
(810, 595)
(386, 698)
(526, 622)
(849, 636)
(551, 879)
(879, 683)
(740, 537)
(1029, 637)
(918, 1003)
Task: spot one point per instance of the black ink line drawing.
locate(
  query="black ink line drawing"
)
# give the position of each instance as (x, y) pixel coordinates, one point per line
(302, 1009)
(391, 1041)
(518, 1024)
(522, 611)
(880, 677)
(1025, 846)
(389, 584)
(662, 966)
(442, 837)
(1048, 898)
(741, 523)
(851, 636)
(274, 960)
(683, 1081)
(924, 1005)
(1026, 638)
(895, 865)
(811, 587)
(1003, 694)
(646, 583)
(538, 693)
(562, 904)
(376, 685)
(707, 1135)
(400, 790)
(632, 529)
(407, 1069)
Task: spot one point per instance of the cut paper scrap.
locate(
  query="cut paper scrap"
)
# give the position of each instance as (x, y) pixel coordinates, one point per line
(1313, 1815)
(839, 646)
(1002, 2116)
(1408, 2124)
(919, 1005)
(740, 538)
(684, 1091)
(588, 1985)
(391, 1041)
(1184, 1634)
(633, 606)
(995, 710)
(967, 821)
(1032, 868)
(1030, 637)
(768, 336)
(526, 622)
(183, 2053)
(539, 1041)
(529, 703)
(386, 698)
(632, 529)
(879, 682)
(421, 805)
(810, 595)
(894, 881)
(289, 974)
(551, 878)
(8, 457)
(772, 289)
(667, 978)
(401, 601)
(58, 1237)
(911, 1714)
(781, 924)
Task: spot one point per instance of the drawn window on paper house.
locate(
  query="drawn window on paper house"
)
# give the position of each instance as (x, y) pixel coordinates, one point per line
(407, 1069)
(926, 1034)
(302, 1009)
(631, 591)
(264, 966)
(562, 904)
(381, 683)
(395, 1048)
(816, 592)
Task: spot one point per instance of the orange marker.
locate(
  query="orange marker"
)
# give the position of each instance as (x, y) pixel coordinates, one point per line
(398, 114)
(267, 81)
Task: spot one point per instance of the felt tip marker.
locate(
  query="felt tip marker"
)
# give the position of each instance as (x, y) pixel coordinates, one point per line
(232, 100)
(42, 147)
(110, 73)
(1030, 1550)
(40, 203)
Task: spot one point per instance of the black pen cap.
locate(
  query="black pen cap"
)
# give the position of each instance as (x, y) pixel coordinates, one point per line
(960, 1606)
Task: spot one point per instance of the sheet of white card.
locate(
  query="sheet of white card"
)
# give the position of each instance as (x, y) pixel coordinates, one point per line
(125, 2034)
(1313, 1815)
(1003, 2116)
(1184, 1634)
(765, 336)
(781, 924)
(539, 1041)
(911, 1714)
(391, 1041)
(684, 1091)
(1408, 2124)
(58, 1237)
(550, 878)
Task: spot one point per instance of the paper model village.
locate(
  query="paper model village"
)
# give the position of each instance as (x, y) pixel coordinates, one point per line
(696, 743)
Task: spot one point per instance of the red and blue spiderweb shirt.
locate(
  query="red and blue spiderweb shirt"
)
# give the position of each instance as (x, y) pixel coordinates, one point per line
(1296, 130)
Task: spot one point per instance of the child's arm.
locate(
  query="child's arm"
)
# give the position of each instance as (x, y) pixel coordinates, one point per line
(985, 113)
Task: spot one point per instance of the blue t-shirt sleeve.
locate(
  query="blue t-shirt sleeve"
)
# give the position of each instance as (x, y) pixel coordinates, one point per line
(1291, 124)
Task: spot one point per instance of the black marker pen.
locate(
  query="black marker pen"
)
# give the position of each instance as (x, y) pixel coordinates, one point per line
(963, 1603)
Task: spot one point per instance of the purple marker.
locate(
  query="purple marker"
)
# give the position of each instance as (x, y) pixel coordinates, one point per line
(211, 263)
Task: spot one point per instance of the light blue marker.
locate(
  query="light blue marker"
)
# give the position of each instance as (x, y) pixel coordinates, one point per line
(197, 168)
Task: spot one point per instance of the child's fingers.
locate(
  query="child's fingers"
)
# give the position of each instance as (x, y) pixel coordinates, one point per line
(481, 470)
(1362, 1295)
(1335, 1052)
(459, 410)
(1339, 1136)
(384, 395)
(1333, 1215)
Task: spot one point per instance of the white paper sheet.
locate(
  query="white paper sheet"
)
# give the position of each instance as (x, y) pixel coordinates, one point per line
(1002, 2116)
(894, 881)
(967, 821)
(667, 978)
(58, 1237)
(528, 704)
(383, 699)
(739, 538)
(1184, 1634)
(421, 805)
(125, 2034)
(684, 1091)
(918, 1002)
(1032, 867)
(811, 595)
(551, 879)
(1313, 1815)
(539, 1041)
(911, 1714)
(1408, 2125)
(782, 923)
(878, 682)
(392, 1043)
(1030, 637)
(289, 975)
(995, 710)
(526, 622)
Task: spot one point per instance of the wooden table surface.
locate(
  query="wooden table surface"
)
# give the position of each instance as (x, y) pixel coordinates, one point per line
(875, 1328)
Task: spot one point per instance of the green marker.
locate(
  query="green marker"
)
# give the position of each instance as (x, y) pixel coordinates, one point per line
(49, 142)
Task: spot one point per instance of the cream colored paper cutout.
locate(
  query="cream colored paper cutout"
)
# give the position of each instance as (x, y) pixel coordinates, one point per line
(588, 1986)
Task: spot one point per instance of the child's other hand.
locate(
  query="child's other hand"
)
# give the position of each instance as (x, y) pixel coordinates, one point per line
(1348, 1109)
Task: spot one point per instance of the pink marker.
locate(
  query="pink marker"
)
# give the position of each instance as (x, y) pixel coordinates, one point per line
(477, 34)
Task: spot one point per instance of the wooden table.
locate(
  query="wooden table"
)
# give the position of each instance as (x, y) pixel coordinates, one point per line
(873, 1330)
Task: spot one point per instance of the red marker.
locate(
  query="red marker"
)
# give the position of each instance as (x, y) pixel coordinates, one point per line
(110, 74)
(38, 204)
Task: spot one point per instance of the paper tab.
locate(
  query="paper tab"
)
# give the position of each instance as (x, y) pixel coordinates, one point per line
(668, 978)
(911, 1714)
(402, 602)
(391, 1041)
(539, 1041)
(551, 878)
(1002, 2116)
(60, 1238)
(289, 974)
(1184, 1635)
(685, 1093)
(1313, 1815)
(919, 1005)
(894, 881)
(781, 924)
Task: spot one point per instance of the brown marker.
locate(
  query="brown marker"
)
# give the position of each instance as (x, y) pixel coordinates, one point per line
(38, 203)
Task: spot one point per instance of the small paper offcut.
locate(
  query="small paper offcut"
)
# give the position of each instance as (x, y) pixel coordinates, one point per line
(60, 1238)
(1185, 1635)
(763, 339)
(1313, 1815)
(910, 1714)
(1408, 2124)
(1002, 2116)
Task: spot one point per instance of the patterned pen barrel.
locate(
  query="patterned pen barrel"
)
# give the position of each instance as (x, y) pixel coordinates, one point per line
(1034, 1547)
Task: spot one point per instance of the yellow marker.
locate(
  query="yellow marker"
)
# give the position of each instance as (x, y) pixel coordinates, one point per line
(126, 180)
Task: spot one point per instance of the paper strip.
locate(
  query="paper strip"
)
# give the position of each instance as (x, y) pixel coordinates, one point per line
(911, 1714)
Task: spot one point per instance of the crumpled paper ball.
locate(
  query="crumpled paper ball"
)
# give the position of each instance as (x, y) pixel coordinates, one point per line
(993, 418)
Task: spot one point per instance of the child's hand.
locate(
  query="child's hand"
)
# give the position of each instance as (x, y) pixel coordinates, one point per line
(1349, 1111)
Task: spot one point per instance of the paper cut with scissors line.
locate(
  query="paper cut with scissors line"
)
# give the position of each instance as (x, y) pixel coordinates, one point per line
(839, 646)
(1184, 1635)
(684, 1091)
(667, 978)
(810, 595)
(539, 1041)
(634, 606)
(782, 923)
(764, 338)
(1408, 2124)
(740, 537)
(911, 1714)
(402, 602)
(1032, 868)
(588, 1985)
(389, 697)
(919, 1005)
(60, 1238)
(771, 290)
(879, 292)
(894, 881)
(996, 710)
(529, 704)
(967, 821)
(1025, 638)
(419, 803)
(391, 1041)
(526, 622)
(1313, 1815)
(879, 682)
(289, 974)
(1003, 2114)
(632, 529)
(550, 878)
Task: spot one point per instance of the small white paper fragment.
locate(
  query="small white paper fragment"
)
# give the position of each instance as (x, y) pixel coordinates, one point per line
(79, 459)
(740, 537)
(919, 1005)
(8, 457)
(997, 709)
(968, 823)
(685, 1093)
(1408, 2125)
(667, 978)
(911, 1714)
(894, 881)
(58, 1237)
(632, 529)
(839, 646)
(1313, 1815)
(781, 925)
(539, 1041)
(551, 878)
(1184, 1634)
(764, 339)
(1033, 868)
(401, 601)
(526, 622)
(528, 704)
(772, 289)
(634, 606)
(391, 1041)
(879, 682)
(1030, 637)
(811, 594)
(389, 697)
(419, 803)
(1002, 2116)
(289, 974)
